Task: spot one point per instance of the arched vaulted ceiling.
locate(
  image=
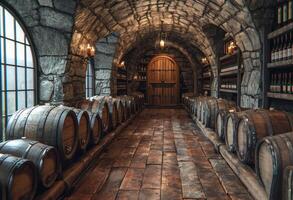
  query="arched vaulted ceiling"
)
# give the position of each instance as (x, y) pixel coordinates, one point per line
(133, 19)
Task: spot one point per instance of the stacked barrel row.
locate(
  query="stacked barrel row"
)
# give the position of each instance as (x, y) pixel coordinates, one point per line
(44, 140)
(261, 139)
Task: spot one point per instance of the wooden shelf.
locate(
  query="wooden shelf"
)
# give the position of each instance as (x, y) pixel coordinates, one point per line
(228, 91)
(279, 64)
(280, 96)
(280, 31)
(225, 57)
(228, 73)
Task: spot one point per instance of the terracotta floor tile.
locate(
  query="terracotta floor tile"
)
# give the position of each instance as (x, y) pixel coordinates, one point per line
(161, 155)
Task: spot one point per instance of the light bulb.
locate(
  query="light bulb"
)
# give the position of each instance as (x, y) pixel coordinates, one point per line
(162, 43)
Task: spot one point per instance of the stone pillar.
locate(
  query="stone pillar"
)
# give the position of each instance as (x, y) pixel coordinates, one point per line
(104, 73)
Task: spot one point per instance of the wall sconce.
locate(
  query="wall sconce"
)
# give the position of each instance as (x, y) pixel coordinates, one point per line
(231, 48)
(87, 51)
(204, 61)
(90, 51)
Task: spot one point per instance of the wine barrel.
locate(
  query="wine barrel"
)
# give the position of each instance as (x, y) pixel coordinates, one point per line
(230, 129)
(287, 193)
(18, 177)
(211, 107)
(96, 106)
(200, 101)
(121, 111)
(127, 106)
(273, 155)
(84, 129)
(44, 157)
(96, 128)
(131, 103)
(113, 109)
(137, 102)
(54, 126)
(191, 106)
(221, 120)
(254, 126)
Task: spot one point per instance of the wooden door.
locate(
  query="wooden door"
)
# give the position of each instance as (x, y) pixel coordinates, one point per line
(163, 81)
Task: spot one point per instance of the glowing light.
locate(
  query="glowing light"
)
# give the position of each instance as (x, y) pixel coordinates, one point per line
(162, 43)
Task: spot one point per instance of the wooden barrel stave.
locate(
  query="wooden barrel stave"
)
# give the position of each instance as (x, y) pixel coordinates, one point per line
(54, 126)
(287, 191)
(113, 110)
(84, 129)
(96, 128)
(121, 110)
(44, 157)
(18, 176)
(220, 123)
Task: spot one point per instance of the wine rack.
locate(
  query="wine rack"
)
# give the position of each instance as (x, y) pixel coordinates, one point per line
(230, 71)
(122, 80)
(205, 79)
(278, 74)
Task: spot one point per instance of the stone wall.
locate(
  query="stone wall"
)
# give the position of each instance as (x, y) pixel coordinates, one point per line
(49, 24)
(104, 68)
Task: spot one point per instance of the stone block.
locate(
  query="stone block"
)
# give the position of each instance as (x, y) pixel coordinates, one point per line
(57, 20)
(47, 3)
(46, 90)
(52, 64)
(49, 41)
(65, 6)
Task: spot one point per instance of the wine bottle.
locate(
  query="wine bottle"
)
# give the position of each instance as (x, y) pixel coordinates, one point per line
(290, 9)
(279, 85)
(279, 14)
(284, 83)
(289, 83)
(285, 51)
(285, 13)
(273, 50)
(272, 83)
(280, 49)
(289, 46)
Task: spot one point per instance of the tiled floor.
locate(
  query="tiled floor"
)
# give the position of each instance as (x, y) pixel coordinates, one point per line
(161, 155)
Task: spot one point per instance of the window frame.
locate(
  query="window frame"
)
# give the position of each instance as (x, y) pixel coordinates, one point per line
(28, 42)
(91, 64)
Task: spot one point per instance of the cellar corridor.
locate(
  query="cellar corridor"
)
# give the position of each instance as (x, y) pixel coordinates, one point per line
(160, 155)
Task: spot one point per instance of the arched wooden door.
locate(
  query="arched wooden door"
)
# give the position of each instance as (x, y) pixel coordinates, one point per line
(163, 81)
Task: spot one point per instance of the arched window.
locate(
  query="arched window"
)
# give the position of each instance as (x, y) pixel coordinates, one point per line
(89, 82)
(17, 70)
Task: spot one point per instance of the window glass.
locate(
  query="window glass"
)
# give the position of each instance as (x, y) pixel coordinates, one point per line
(17, 68)
(9, 25)
(21, 78)
(20, 54)
(10, 52)
(19, 33)
(89, 82)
